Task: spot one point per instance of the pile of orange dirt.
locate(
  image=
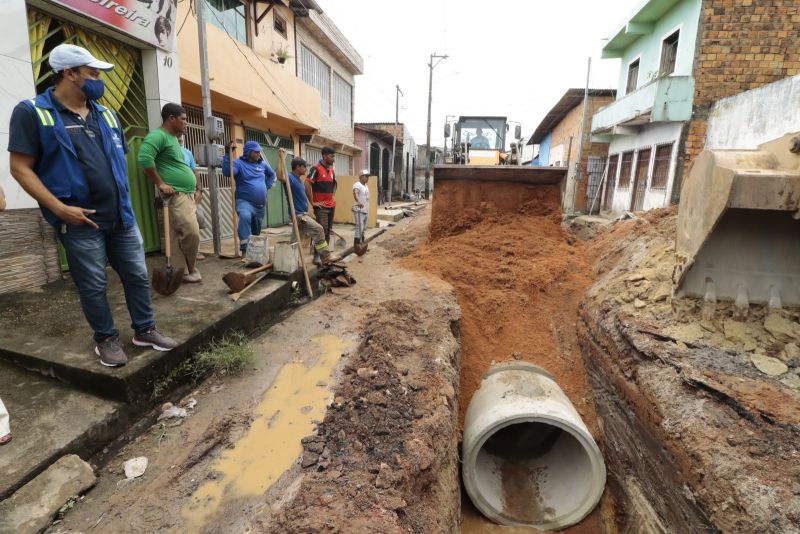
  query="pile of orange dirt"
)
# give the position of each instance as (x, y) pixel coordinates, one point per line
(519, 277)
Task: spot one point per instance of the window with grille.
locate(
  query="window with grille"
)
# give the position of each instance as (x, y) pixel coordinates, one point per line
(661, 166)
(342, 100)
(669, 52)
(267, 139)
(342, 165)
(229, 16)
(642, 166)
(313, 155)
(626, 169)
(195, 127)
(633, 77)
(317, 74)
(280, 25)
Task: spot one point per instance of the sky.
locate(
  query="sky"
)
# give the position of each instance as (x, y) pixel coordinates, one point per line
(513, 58)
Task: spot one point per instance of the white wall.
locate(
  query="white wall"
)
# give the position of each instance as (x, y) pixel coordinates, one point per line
(16, 72)
(648, 137)
(749, 119)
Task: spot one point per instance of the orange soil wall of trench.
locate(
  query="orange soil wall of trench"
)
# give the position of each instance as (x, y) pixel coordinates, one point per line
(519, 277)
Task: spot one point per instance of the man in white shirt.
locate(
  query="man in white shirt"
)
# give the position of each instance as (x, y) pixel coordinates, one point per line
(361, 205)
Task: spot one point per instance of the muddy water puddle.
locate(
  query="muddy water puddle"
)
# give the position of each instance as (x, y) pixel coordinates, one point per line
(297, 398)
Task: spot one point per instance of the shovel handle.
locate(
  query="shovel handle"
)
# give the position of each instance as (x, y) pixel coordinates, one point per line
(167, 247)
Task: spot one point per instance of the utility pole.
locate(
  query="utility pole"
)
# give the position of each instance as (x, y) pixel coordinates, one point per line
(431, 66)
(581, 140)
(206, 93)
(394, 139)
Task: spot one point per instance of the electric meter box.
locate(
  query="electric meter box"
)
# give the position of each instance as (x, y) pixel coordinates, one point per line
(215, 128)
(216, 151)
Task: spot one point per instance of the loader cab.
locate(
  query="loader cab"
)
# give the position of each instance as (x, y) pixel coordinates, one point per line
(479, 140)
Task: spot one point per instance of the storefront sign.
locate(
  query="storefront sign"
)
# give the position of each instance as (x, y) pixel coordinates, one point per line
(152, 21)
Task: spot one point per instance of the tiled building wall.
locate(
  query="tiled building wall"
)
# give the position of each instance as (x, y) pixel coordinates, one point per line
(742, 44)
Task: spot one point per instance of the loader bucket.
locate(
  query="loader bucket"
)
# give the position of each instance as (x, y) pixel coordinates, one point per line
(737, 235)
(464, 194)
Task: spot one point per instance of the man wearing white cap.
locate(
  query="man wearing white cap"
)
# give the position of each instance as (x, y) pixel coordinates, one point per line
(68, 153)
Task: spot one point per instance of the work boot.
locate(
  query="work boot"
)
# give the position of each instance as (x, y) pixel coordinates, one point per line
(192, 277)
(154, 338)
(326, 257)
(110, 352)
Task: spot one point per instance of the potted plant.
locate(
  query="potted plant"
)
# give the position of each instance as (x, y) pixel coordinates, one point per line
(282, 54)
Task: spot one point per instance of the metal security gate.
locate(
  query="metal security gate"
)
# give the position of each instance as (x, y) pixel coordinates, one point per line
(596, 166)
(640, 183)
(196, 135)
(124, 93)
(611, 178)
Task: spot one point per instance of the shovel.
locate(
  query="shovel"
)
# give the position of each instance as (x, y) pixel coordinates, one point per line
(167, 279)
(236, 282)
(340, 241)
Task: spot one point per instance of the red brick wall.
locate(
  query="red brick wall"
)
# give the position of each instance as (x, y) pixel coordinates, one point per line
(742, 44)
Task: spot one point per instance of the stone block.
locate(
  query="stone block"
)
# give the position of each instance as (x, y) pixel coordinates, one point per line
(33, 506)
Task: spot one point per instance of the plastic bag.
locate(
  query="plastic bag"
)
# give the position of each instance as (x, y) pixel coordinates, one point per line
(257, 250)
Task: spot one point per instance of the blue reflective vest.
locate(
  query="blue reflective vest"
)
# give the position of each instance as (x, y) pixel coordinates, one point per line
(58, 166)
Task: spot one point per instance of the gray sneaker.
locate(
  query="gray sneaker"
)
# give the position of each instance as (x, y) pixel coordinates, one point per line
(110, 352)
(154, 338)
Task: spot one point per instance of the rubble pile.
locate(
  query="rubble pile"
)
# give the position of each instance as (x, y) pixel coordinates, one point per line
(700, 407)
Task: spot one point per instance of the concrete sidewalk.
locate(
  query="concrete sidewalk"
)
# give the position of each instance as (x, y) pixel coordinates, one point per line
(87, 404)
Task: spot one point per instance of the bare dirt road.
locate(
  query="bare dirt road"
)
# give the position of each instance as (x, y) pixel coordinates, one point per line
(345, 422)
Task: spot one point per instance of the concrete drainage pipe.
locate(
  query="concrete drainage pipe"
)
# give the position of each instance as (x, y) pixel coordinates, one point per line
(528, 459)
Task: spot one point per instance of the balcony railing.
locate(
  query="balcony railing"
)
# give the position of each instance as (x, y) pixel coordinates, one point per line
(665, 99)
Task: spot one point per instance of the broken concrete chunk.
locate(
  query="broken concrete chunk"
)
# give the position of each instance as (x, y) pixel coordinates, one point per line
(135, 467)
(791, 355)
(737, 332)
(639, 304)
(792, 381)
(171, 412)
(33, 506)
(769, 365)
(782, 328)
(661, 292)
(688, 333)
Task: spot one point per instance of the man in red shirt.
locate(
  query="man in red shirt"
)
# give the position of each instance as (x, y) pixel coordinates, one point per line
(323, 186)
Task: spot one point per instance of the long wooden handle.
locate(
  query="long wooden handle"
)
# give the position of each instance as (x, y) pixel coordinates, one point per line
(167, 247)
(257, 269)
(234, 216)
(288, 184)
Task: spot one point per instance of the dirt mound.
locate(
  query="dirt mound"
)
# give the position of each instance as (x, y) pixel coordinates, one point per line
(373, 465)
(459, 206)
(518, 276)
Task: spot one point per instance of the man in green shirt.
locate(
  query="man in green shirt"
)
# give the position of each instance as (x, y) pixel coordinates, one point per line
(163, 162)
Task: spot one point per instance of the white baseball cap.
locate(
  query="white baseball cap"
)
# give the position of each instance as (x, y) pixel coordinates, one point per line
(364, 172)
(67, 56)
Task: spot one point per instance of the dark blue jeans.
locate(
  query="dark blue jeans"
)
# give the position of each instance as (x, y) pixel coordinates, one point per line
(88, 251)
(251, 217)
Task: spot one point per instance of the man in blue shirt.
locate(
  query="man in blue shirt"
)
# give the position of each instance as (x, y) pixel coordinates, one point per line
(253, 178)
(301, 191)
(68, 153)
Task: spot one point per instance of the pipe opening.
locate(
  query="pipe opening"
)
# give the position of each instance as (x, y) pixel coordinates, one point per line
(535, 473)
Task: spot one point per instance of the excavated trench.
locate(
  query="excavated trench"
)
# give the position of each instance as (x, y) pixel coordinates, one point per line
(519, 278)
(695, 437)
